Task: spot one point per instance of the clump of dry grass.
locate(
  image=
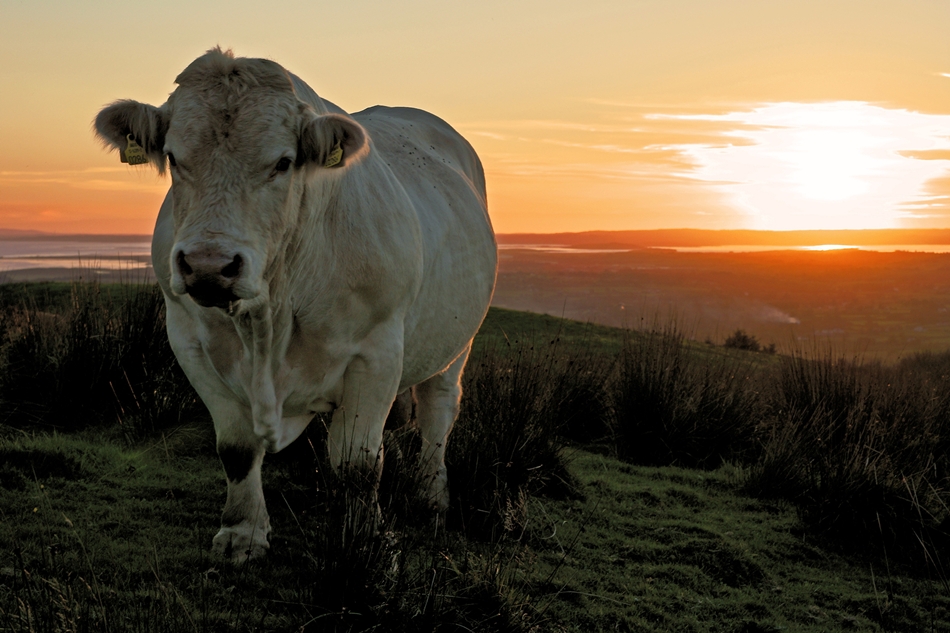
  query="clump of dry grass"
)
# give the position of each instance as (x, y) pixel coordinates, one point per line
(861, 448)
(673, 407)
(521, 402)
(97, 355)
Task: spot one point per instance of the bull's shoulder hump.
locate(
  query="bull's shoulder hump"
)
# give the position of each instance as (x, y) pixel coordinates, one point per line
(396, 131)
(403, 117)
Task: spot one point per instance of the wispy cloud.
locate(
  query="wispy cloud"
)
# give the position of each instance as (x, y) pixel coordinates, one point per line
(491, 135)
(526, 126)
(93, 178)
(614, 149)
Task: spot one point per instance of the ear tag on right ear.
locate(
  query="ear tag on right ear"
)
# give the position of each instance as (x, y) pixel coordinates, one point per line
(336, 155)
(133, 154)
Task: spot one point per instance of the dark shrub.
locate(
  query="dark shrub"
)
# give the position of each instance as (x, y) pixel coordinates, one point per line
(740, 340)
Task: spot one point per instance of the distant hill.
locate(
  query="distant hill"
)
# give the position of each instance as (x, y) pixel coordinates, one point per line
(702, 237)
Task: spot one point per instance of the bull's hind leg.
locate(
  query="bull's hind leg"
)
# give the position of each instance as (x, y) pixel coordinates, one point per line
(437, 407)
(245, 524)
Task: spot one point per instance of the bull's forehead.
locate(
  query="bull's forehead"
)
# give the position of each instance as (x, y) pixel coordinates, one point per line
(249, 127)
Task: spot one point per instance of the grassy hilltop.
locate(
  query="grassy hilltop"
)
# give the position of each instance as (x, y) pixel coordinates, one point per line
(602, 480)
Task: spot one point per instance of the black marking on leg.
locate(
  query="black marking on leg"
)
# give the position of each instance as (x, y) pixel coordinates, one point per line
(237, 461)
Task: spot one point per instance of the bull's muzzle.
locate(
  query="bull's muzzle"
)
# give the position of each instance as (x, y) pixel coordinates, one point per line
(210, 275)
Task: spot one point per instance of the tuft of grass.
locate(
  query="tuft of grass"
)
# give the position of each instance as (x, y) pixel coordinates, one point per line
(860, 448)
(672, 407)
(521, 401)
(102, 356)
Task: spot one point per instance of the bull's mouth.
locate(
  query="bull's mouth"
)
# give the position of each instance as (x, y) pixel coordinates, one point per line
(210, 295)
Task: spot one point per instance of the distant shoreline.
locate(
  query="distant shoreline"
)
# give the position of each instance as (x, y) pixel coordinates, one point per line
(59, 274)
(694, 238)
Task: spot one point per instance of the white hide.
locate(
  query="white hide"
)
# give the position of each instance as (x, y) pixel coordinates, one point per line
(358, 281)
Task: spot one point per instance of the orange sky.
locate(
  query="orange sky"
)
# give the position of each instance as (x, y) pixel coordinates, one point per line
(595, 115)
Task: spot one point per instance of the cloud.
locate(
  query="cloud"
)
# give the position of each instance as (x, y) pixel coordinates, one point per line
(821, 165)
(94, 178)
(774, 315)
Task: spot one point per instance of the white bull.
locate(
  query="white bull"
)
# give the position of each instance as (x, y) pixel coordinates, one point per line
(311, 261)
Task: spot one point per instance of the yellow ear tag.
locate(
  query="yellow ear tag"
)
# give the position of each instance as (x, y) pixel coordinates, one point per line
(335, 156)
(133, 154)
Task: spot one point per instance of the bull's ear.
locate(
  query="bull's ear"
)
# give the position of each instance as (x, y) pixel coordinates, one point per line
(136, 129)
(331, 140)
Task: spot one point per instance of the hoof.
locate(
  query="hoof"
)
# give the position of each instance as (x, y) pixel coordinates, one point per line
(241, 543)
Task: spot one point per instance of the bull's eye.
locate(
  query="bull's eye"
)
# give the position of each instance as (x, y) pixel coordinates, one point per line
(171, 159)
(282, 165)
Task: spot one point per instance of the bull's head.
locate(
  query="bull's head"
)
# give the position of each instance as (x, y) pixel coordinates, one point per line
(242, 148)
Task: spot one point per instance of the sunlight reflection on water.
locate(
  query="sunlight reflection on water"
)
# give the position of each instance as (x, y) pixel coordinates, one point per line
(739, 248)
(754, 248)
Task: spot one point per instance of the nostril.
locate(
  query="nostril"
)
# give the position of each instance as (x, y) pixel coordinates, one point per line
(233, 269)
(183, 266)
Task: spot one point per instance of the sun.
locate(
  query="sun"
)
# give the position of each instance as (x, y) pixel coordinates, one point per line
(835, 165)
(829, 164)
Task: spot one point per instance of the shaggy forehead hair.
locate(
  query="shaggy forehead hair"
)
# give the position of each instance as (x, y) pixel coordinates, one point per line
(217, 70)
(216, 87)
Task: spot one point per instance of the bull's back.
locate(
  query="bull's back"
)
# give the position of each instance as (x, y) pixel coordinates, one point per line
(443, 178)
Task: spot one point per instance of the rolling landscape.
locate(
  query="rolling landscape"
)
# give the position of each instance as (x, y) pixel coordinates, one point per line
(864, 302)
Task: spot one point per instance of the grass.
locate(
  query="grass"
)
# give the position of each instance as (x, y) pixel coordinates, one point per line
(673, 549)
(105, 538)
(117, 540)
(522, 402)
(502, 326)
(815, 498)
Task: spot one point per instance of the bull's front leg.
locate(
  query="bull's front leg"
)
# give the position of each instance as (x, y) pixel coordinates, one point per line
(245, 524)
(355, 440)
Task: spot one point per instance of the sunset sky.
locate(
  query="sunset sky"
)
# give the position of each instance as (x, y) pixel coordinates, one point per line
(596, 115)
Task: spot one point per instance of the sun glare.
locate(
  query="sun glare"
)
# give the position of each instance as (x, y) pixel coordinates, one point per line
(828, 247)
(838, 165)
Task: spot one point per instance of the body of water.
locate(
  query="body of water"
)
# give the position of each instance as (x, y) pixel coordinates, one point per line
(135, 255)
(557, 248)
(28, 254)
(880, 248)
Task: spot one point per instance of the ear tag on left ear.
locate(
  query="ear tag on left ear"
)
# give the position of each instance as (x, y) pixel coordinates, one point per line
(133, 154)
(336, 155)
